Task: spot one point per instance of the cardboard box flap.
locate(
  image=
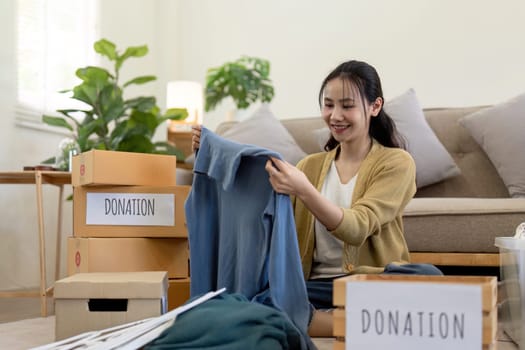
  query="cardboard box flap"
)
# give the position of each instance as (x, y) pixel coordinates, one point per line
(103, 167)
(107, 285)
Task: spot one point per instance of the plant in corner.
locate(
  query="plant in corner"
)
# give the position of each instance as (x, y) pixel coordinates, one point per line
(112, 122)
(245, 80)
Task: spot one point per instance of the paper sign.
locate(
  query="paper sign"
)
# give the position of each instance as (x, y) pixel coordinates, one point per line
(133, 209)
(405, 315)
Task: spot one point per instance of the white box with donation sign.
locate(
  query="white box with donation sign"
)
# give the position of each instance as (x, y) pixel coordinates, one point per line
(129, 211)
(415, 312)
(94, 301)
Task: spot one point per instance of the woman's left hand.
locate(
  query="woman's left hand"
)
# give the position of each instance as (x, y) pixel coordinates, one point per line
(286, 178)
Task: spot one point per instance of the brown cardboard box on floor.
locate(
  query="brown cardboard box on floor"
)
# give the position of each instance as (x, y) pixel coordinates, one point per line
(128, 254)
(100, 167)
(178, 292)
(129, 211)
(93, 301)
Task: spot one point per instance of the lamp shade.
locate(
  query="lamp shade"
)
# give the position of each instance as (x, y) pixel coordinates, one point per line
(189, 95)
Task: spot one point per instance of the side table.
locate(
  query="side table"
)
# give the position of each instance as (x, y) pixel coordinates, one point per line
(38, 178)
(182, 140)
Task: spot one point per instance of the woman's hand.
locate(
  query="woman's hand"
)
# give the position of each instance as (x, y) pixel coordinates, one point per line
(286, 178)
(195, 137)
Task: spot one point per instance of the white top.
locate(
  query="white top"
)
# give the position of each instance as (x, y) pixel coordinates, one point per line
(328, 251)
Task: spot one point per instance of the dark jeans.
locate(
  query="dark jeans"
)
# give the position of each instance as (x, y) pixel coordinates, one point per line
(320, 291)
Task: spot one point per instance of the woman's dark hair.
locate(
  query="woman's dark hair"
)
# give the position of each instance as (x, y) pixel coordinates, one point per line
(365, 79)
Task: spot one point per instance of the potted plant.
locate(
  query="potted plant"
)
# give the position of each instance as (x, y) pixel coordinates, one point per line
(112, 122)
(245, 80)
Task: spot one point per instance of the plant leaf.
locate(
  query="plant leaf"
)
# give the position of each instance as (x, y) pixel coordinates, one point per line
(85, 131)
(106, 48)
(143, 104)
(142, 123)
(136, 143)
(141, 80)
(56, 121)
(163, 147)
(86, 93)
(110, 105)
(135, 51)
(132, 51)
(67, 114)
(175, 114)
(51, 160)
(94, 76)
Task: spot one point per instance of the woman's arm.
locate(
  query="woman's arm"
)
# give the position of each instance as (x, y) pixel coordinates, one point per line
(387, 189)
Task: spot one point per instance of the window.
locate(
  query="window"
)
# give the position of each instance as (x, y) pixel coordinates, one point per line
(54, 38)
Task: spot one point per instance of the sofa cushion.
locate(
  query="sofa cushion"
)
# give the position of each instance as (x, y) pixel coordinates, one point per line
(460, 225)
(263, 129)
(499, 131)
(433, 162)
(478, 178)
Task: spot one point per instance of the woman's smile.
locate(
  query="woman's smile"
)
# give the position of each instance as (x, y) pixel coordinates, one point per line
(339, 128)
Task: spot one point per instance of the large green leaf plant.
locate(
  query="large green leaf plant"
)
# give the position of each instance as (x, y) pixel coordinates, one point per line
(111, 122)
(245, 80)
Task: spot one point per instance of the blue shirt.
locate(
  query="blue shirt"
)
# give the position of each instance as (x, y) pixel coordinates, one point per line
(241, 233)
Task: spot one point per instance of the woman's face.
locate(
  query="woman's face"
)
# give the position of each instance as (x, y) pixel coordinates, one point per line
(344, 113)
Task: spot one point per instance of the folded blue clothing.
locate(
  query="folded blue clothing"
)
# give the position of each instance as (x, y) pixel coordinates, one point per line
(230, 322)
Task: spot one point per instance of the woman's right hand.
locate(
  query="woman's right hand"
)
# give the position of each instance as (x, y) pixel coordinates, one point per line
(195, 137)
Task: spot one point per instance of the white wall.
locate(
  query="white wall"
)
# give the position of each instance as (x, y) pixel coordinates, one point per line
(453, 53)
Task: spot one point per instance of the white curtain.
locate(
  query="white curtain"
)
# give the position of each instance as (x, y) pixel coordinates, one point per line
(54, 38)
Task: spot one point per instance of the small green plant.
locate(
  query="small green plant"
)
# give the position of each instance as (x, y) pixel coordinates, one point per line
(112, 122)
(245, 80)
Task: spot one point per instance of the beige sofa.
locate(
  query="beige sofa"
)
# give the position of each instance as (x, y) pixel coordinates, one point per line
(453, 222)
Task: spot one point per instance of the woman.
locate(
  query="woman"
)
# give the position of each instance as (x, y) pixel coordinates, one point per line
(348, 201)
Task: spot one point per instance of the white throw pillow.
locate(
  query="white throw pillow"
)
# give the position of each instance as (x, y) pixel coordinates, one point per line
(433, 162)
(500, 132)
(263, 129)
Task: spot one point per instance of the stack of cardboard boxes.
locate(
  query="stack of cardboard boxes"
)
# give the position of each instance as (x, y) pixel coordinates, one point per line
(128, 215)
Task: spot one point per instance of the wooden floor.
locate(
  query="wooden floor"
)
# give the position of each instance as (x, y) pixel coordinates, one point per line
(15, 309)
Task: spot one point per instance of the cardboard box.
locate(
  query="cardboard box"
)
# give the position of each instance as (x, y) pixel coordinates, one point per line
(512, 272)
(129, 211)
(93, 301)
(488, 309)
(98, 167)
(128, 254)
(178, 292)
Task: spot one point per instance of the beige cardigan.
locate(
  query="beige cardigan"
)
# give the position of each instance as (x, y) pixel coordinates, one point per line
(372, 228)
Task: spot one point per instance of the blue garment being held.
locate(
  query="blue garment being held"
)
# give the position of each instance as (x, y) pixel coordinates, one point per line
(241, 233)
